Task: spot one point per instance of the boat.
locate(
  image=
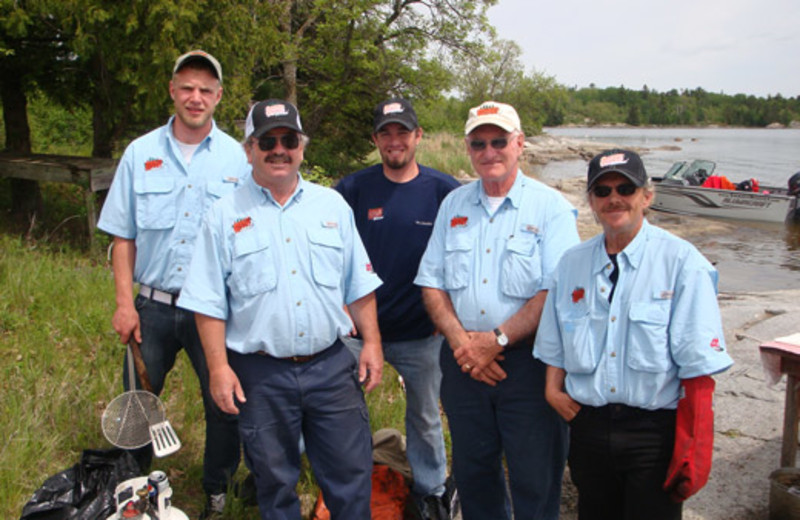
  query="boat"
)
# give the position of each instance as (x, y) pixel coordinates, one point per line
(681, 190)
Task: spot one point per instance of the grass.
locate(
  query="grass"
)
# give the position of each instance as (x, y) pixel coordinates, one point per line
(61, 365)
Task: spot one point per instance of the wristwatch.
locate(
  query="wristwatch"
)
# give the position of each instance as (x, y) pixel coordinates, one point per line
(502, 339)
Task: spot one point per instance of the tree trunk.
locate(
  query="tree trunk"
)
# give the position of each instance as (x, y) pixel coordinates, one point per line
(102, 114)
(26, 198)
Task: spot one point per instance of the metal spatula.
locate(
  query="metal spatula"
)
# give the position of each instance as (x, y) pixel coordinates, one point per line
(137, 417)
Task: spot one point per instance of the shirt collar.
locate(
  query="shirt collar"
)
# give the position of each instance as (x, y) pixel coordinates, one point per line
(263, 195)
(210, 138)
(514, 194)
(632, 253)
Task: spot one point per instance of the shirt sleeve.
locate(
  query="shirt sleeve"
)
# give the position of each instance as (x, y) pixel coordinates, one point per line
(118, 216)
(548, 346)
(697, 340)
(561, 234)
(360, 279)
(204, 290)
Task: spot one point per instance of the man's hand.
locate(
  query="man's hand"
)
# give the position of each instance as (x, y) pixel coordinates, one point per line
(562, 403)
(224, 385)
(126, 323)
(479, 356)
(370, 366)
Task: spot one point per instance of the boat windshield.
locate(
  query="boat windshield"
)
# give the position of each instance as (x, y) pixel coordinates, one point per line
(693, 173)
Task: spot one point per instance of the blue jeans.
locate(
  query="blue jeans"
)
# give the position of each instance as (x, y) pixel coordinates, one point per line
(322, 399)
(510, 420)
(165, 331)
(417, 361)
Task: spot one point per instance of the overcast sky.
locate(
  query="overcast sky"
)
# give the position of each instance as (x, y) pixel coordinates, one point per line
(730, 46)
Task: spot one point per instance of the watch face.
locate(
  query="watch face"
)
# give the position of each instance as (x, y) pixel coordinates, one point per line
(502, 339)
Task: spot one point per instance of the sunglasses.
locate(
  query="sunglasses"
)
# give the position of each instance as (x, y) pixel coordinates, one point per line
(498, 143)
(624, 190)
(289, 141)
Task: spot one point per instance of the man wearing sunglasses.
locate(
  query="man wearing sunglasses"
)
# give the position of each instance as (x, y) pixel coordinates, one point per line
(631, 333)
(164, 183)
(395, 203)
(484, 273)
(275, 264)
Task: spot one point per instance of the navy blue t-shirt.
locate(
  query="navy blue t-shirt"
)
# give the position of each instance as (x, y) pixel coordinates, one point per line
(395, 221)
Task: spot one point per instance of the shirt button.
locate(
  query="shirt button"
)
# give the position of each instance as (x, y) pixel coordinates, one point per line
(483, 311)
(186, 214)
(602, 289)
(288, 240)
(488, 250)
(613, 319)
(608, 266)
(180, 269)
(491, 220)
(294, 271)
(302, 334)
(485, 280)
(613, 354)
(613, 389)
(299, 304)
(189, 186)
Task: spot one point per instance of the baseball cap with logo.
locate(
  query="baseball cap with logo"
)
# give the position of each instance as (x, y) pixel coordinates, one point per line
(269, 114)
(493, 113)
(195, 56)
(395, 110)
(624, 162)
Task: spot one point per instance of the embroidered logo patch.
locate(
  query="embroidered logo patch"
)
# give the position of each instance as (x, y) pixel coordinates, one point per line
(375, 214)
(487, 110)
(578, 294)
(715, 345)
(369, 268)
(392, 108)
(242, 223)
(610, 160)
(458, 221)
(152, 164)
(330, 224)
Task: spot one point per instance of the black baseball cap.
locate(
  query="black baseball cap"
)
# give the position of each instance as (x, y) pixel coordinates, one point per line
(623, 162)
(269, 114)
(395, 110)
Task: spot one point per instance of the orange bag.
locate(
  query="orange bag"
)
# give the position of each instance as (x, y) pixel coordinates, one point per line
(388, 500)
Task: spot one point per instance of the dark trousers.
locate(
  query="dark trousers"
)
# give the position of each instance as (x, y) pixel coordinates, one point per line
(618, 460)
(165, 331)
(513, 421)
(322, 399)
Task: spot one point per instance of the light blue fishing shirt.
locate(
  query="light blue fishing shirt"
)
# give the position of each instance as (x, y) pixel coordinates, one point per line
(279, 276)
(490, 264)
(158, 200)
(662, 325)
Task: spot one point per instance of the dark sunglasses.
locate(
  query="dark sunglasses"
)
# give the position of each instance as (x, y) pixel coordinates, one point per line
(289, 141)
(625, 190)
(498, 143)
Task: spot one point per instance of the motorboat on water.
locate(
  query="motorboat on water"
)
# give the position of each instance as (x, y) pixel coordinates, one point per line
(688, 188)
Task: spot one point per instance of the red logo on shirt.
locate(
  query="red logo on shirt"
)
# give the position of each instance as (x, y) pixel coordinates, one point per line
(458, 221)
(153, 163)
(375, 214)
(369, 268)
(242, 223)
(715, 345)
(578, 294)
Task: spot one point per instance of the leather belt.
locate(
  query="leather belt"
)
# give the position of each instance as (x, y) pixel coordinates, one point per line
(158, 295)
(293, 359)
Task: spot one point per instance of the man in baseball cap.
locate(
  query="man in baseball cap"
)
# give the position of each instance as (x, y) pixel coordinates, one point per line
(185, 165)
(278, 266)
(631, 334)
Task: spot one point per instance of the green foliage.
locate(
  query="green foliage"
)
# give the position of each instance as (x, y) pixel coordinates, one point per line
(58, 129)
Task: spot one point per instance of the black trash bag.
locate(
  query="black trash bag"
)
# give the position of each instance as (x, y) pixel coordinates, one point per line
(85, 491)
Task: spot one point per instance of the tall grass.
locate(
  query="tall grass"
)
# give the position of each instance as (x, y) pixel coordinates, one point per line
(61, 365)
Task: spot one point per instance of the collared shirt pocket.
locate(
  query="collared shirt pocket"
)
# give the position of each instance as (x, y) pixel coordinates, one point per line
(648, 348)
(522, 266)
(327, 256)
(217, 189)
(457, 260)
(156, 202)
(252, 266)
(581, 345)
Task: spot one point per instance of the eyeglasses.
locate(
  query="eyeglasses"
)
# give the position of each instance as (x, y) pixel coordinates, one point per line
(289, 141)
(497, 143)
(624, 190)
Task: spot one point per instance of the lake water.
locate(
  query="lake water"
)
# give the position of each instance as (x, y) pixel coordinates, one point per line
(749, 256)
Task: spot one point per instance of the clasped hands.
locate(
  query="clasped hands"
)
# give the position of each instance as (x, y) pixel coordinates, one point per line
(479, 355)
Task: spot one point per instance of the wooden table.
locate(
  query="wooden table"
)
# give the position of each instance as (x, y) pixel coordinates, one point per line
(785, 358)
(90, 173)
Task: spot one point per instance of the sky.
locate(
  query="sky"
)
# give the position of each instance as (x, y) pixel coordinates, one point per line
(733, 46)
